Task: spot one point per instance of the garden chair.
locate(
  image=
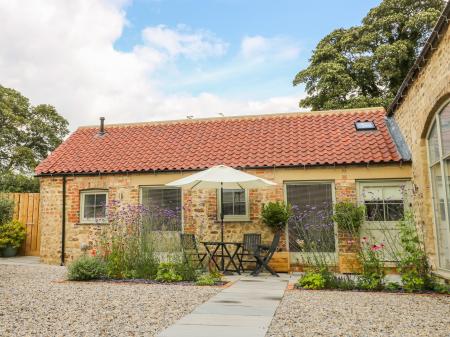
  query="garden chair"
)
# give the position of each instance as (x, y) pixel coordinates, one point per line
(190, 250)
(264, 254)
(249, 247)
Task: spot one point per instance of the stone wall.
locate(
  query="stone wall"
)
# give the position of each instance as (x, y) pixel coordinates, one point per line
(423, 99)
(199, 206)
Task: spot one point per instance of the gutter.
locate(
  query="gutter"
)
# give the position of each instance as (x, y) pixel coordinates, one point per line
(63, 222)
(74, 174)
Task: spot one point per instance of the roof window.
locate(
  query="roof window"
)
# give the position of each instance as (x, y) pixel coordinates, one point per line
(365, 126)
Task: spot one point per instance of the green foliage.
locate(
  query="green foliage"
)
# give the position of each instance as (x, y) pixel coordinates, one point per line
(342, 283)
(392, 286)
(348, 216)
(28, 133)
(414, 266)
(12, 234)
(412, 282)
(130, 258)
(86, 268)
(18, 183)
(441, 288)
(373, 272)
(6, 210)
(312, 280)
(167, 272)
(186, 270)
(365, 65)
(209, 279)
(275, 215)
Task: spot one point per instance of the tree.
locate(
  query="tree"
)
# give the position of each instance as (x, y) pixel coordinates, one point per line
(365, 65)
(27, 135)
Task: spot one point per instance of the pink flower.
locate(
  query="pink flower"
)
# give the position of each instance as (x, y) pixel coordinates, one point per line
(350, 242)
(375, 248)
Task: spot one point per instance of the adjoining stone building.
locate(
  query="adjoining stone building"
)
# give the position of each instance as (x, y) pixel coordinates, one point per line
(422, 112)
(316, 159)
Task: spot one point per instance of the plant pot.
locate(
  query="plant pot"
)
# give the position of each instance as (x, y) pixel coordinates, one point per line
(9, 251)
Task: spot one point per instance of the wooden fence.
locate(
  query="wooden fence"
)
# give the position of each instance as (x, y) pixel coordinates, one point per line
(26, 210)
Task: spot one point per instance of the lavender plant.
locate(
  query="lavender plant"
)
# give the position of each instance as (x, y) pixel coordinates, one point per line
(138, 239)
(311, 233)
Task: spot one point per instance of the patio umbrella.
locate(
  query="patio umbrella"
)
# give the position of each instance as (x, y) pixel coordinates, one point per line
(222, 177)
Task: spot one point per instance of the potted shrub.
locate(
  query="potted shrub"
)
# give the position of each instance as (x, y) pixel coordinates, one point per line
(12, 234)
(349, 218)
(276, 215)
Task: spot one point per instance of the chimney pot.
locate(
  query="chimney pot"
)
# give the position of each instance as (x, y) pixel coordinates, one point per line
(102, 126)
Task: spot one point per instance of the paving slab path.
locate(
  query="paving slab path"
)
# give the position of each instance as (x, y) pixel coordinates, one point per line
(246, 308)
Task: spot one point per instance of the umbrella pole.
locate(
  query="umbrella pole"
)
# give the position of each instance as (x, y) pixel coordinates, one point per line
(221, 224)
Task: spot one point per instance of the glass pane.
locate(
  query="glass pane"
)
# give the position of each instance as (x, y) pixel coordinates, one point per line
(163, 208)
(394, 210)
(228, 208)
(227, 196)
(239, 208)
(444, 118)
(100, 211)
(239, 196)
(89, 200)
(374, 211)
(100, 199)
(393, 193)
(440, 217)
(433, 145)
(372, 193)
(89, 212)
(311, 228)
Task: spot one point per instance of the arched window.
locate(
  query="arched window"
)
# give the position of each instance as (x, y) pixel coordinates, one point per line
(439, 161)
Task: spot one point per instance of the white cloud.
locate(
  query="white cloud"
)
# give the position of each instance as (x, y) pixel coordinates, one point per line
(62, 53)
(263, 48)
(183, 41)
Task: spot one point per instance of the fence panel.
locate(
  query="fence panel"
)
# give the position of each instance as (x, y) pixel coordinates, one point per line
(26, 210)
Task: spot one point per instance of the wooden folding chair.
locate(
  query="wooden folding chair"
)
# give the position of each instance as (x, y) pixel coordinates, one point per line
(264, 254)
(249, 247)
(190, 250)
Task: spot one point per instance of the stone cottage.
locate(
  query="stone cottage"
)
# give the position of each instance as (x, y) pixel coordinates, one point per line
(316, 159)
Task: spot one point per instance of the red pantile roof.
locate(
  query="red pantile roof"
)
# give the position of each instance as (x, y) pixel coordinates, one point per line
(316, 138)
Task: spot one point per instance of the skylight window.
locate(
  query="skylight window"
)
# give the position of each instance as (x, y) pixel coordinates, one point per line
(365, 126)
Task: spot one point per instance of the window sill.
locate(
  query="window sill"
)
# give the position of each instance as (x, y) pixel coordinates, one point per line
(92, 223)
(234, 220)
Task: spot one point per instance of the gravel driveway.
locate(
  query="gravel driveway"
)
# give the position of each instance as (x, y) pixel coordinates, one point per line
(359, 314)
(32, 304)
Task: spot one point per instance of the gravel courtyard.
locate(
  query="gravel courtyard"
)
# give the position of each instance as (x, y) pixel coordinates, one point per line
(32, 304)
(358, 314)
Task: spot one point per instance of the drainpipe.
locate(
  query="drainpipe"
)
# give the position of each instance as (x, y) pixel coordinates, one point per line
(63, 224)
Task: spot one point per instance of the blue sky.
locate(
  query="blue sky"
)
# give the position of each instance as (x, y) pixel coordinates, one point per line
(300, 23)
(144, 60)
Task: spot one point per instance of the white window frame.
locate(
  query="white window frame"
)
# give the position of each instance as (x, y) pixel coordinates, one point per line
(85, 220)
(160, 187)
(332, 256)
(244, 217)
(384, 183)
(442, 158)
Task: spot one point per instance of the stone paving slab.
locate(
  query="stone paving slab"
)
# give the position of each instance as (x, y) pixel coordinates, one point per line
(245, 309)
